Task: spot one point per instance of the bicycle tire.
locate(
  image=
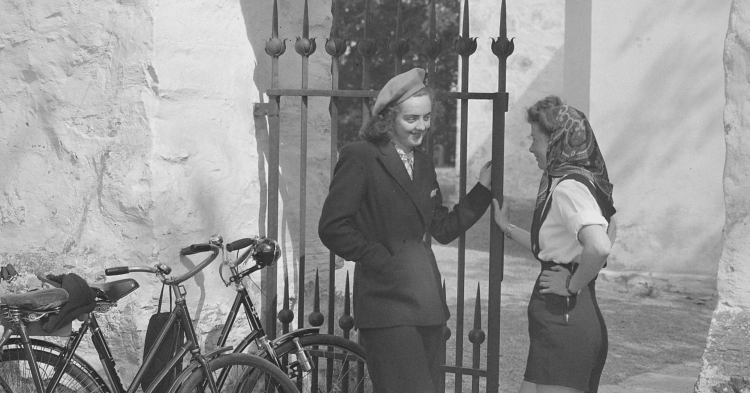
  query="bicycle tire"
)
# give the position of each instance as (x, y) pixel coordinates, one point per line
(239, 372)
(15, 373)
(339, 365)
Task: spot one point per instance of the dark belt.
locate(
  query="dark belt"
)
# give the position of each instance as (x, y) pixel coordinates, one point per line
(571, 267)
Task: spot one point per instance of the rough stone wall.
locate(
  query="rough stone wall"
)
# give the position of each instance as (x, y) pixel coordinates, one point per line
(127, 132)
(726, 361)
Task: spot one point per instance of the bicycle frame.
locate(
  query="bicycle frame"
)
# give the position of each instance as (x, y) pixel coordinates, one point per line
(258, 334)
(179, 314)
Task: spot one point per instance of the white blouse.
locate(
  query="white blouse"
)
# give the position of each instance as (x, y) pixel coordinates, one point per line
(572, 208)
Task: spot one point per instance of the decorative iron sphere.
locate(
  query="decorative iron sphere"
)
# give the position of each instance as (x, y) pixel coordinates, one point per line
(286, 316)
(465, 46)
(367, 47)
(276, 47)
(432, 48)
(476, 336)
(305, 46)
(503, 47)
(335, 46)
(399, 47)
(346, 322)
(316, 318)
(446, 333)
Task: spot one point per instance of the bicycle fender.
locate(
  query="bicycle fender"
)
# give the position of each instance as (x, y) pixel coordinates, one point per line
(281, 340)
(193, 366)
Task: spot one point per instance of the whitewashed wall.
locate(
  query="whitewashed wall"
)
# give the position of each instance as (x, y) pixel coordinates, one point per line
(127, 132)
(657, 94)
(656, 98)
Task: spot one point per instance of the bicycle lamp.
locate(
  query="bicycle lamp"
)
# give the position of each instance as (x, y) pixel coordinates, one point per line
(267, 252)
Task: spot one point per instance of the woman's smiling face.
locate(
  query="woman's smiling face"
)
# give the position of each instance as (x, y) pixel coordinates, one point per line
(412, 122)
(539, 145)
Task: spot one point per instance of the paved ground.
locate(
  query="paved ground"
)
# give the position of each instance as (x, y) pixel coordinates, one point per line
(656, 362)
(674, 379)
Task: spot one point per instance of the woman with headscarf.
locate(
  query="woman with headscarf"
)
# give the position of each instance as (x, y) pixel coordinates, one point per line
(569, 236)
(384, 202)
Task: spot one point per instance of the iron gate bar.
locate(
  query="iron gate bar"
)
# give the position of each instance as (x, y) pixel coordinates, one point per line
(431, 47)
(335, 47)
(502, 48)
(274, 48)
(374, 93)
(476, 336)
(477, 372)
(464, 50)
(305, 47)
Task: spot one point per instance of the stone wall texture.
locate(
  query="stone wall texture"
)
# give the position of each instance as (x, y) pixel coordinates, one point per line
(127, 132)
(726, 361)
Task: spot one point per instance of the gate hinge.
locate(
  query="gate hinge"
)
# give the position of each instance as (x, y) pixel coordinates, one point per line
(265, 109)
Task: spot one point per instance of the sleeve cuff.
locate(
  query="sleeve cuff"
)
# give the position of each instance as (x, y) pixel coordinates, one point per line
(585, 218)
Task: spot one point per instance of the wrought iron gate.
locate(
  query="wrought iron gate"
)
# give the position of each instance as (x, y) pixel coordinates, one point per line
(464, 45)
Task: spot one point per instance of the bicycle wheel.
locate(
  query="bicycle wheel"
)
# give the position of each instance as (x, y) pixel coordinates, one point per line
(239, 372)
(15, 373)
(338, 365)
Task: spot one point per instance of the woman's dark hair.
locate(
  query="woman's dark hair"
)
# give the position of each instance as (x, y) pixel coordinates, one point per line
(541, 113)
(378, 129)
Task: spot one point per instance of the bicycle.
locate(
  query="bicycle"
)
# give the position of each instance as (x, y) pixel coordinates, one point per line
(315, 361)
(34, 365)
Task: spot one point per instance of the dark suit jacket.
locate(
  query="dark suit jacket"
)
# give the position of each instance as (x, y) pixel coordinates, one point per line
(377, 216)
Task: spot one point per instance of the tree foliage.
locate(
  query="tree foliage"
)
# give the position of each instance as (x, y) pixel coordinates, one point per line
(382, 29)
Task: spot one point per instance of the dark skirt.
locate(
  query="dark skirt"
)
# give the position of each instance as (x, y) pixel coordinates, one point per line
(568, 339)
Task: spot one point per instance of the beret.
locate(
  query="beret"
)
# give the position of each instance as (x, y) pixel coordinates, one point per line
(398, 89)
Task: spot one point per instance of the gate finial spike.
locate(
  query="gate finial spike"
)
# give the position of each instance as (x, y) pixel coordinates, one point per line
(275, 20)
(476, 335)
(503, 25)
(465, 27)
(346, 322)
(316, 318)
(502, 47)
(446, 329)
(286, 316)
(305, 22)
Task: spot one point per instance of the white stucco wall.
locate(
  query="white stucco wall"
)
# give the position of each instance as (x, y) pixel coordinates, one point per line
(127, 132)
(656, 98)
(657, 93)
(534, 70)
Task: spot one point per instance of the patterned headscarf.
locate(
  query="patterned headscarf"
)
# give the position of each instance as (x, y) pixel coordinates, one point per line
(573, 150)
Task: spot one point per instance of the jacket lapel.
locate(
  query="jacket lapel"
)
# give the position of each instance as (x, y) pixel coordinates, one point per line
(391, 161)
(422, 184)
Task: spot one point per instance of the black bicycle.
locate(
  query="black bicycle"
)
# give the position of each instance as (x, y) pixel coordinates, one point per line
(33, 365)
(316, 362)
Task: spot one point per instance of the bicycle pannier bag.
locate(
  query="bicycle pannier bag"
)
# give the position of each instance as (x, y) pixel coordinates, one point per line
(174, 340)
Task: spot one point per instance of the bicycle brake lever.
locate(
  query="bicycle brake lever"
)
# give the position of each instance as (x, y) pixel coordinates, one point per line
(163, 269)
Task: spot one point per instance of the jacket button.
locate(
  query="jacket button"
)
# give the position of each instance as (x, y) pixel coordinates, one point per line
(404, 240)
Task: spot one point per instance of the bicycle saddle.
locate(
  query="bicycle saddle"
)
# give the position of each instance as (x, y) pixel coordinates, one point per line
(115, 290)
(41, 300)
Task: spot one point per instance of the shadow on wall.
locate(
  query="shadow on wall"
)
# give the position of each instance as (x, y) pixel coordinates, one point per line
(521, 172)
(669, 149)
(257, 15)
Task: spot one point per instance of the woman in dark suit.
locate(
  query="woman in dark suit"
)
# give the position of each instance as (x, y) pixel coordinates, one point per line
(383, 201)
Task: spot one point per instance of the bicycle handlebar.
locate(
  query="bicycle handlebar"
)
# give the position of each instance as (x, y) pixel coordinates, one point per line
(116, 271)
(240, 244)
(163, 269)
(194, 249)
